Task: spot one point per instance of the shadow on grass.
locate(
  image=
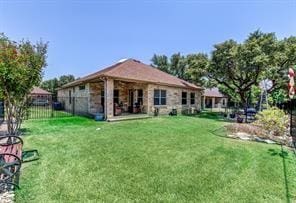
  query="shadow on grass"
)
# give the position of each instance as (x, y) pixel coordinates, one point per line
(284, 156)
(216, 116)
(221, 132)
(25, 131)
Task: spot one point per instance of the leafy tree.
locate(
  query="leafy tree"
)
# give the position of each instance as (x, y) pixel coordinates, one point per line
(21, 66)
(64, 79)
(52, 84)
(239, 66)
(196, 71)
(191, 67)
(178, 65)
(161, 62)
(283, 60)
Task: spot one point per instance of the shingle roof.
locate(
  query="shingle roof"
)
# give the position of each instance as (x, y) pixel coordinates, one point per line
(39, 91)
(131, 69)
(213, 92)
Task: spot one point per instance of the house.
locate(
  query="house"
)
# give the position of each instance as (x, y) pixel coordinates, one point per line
(212, 98)
(39, 92)
(129, 87)
(40, 97)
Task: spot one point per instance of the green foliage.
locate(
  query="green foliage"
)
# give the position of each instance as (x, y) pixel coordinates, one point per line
(284, 59)
(197, 65)
(273, 120)
(161, 62)
(178, 65)
(21, 66)
(52, 84)
(192, 67)
(278, 96)
(238, 67)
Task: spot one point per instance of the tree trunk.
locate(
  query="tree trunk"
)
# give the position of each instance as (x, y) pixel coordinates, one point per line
(14, 117)
(245, 103)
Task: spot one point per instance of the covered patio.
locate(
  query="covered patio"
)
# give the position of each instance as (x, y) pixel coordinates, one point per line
(117, 98)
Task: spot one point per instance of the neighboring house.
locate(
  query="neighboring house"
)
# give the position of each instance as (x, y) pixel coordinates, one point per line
(212, 98)
(40, 97)
(129, 87)
(40, 93)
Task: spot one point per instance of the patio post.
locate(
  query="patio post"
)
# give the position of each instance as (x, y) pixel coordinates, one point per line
(204, 102)
(213, 102)
(109, 88)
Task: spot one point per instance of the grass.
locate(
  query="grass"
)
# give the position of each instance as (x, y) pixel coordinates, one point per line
(170, 159)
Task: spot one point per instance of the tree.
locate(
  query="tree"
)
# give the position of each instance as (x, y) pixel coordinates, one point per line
(191, 67)
(178, 65)
(237, 67)
(197, 65)
(161, 62)
(52, 84)
(64, 79)
(21, 66)
(283, 60)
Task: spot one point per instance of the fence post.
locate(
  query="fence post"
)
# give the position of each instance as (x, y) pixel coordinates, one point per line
(52, 105)
(73, 106)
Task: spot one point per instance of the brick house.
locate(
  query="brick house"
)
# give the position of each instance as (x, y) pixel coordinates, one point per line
(130, 87)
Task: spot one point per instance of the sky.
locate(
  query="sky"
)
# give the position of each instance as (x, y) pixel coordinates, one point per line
(86, 36)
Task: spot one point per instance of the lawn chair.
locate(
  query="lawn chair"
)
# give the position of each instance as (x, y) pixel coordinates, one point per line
(11, 159)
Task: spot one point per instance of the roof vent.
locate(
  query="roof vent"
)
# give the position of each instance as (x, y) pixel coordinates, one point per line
(122, 60)
(136, 60)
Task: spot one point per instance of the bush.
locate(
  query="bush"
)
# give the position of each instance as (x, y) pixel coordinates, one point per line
(274, 121)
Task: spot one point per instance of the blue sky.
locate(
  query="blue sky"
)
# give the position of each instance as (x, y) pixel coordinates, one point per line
(85, 36)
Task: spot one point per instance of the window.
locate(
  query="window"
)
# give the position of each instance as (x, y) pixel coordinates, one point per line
(82, 87)
(159, 97)
(140, 97)
(192, 98)
(70, 97)
(116, 96)
(184, 98)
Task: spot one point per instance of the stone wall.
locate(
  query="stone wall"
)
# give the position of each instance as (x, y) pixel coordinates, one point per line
(90, 98)
(79, 101)
(95, 97)
(173, 99)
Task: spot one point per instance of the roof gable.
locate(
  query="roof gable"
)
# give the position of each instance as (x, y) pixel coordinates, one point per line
(39, 91)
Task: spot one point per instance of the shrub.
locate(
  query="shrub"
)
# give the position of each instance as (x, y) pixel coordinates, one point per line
(273, 120)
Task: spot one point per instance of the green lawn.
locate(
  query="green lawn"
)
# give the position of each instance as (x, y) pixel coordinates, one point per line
(174, 159)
